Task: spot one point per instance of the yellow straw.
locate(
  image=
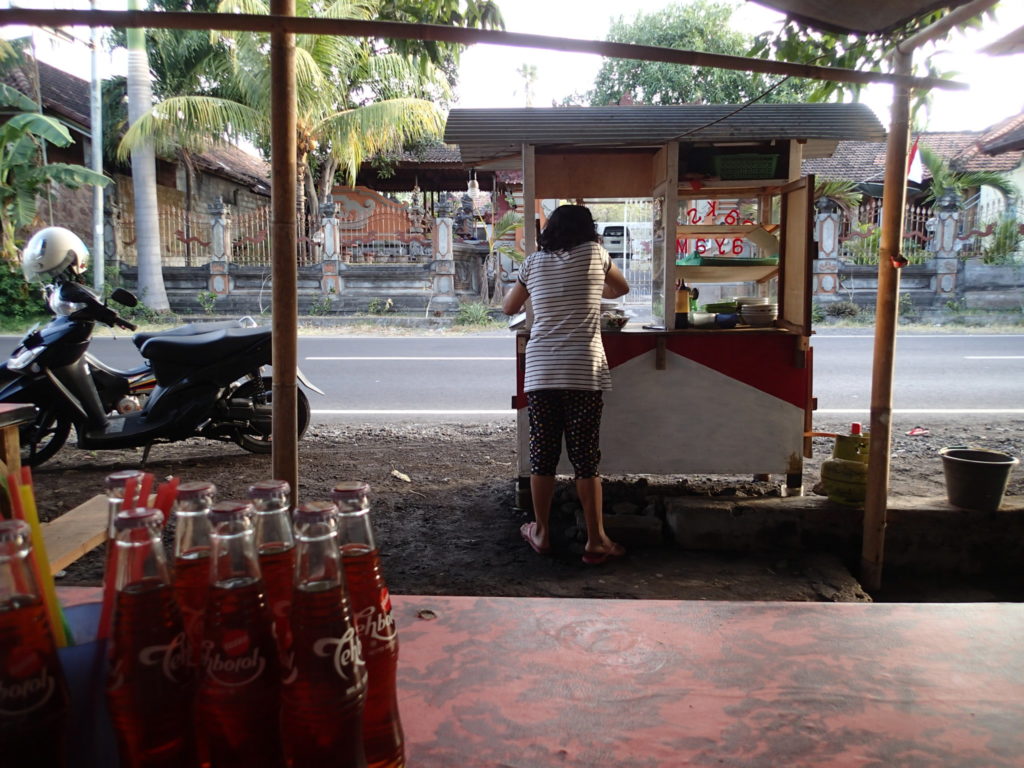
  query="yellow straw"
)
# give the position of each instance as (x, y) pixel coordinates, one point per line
(53, 611)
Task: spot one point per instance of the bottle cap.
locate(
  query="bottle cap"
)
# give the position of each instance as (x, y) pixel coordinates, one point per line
(226, 511)
(350, 489)
(116, 480)
(267, 489)
(196, 489)
(140, 517)
(17, 531)
(315, 511)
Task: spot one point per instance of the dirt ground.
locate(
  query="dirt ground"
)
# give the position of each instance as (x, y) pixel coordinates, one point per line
(446, 521)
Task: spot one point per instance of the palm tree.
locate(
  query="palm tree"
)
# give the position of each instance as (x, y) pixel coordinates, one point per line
(947, 180)
(337, 78)
(147, 226)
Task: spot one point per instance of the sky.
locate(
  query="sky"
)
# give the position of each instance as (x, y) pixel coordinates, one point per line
(488, 78)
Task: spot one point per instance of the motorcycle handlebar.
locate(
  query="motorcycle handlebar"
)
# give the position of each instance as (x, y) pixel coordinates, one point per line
(127, 325)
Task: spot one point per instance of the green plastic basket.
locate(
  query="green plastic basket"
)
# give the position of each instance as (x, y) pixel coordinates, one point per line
(745, 166)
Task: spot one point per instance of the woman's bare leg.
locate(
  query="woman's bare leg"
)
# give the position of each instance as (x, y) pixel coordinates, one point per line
(592, 500)
(542, 489)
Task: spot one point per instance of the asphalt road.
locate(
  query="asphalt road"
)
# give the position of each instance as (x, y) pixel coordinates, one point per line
(472, 378)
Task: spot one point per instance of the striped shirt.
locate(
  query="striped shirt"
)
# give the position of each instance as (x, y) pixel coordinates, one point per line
(565, 350)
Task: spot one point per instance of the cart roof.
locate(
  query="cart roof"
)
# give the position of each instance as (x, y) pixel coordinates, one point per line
(488, 134)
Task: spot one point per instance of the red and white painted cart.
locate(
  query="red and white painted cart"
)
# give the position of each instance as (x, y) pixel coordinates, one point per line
(714, 401)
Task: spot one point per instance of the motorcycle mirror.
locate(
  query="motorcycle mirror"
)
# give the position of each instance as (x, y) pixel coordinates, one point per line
(127, 298)
(74, 292)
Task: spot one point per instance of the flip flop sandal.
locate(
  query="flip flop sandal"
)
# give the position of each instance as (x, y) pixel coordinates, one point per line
(526, 531)
(599, 558)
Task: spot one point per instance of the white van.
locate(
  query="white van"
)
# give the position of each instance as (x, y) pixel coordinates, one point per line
(617, 240)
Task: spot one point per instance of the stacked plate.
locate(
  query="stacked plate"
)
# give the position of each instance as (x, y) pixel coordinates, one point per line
(759, 315)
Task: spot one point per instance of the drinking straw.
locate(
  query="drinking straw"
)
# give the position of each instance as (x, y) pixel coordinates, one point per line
(43, 576)
(110, 578)
(166, 495)
(144, 487)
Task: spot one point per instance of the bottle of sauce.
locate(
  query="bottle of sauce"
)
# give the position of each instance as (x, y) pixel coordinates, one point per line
(682, 305)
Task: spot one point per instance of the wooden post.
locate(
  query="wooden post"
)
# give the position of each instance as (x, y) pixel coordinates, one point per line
(284, 269)
(893, 204)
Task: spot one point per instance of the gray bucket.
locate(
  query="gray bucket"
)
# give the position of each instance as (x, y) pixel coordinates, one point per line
(976, 478)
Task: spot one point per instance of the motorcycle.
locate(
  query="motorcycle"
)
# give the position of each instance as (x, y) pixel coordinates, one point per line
(205, 380)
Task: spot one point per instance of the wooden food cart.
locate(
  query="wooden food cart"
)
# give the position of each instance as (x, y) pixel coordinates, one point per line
(730, 208)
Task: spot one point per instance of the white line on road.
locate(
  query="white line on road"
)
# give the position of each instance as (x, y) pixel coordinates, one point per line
(993, 357)
(412, 358)
(951, 411)
(425, 412)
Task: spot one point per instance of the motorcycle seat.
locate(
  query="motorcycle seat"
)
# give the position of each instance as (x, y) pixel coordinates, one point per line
(203, 348)
(190, 329)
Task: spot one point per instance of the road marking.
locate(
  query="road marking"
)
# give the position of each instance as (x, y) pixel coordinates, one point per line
(993, 357)
(422, 412)
(951, 411)
(511, 359)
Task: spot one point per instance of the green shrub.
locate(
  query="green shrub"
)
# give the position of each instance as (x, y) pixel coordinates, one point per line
(380, 306)
(1001, 246)
(817, 313)
(475, 313)
(324, 305)
(207, 300)
(842, 310)
(20, 301)
(905, 307)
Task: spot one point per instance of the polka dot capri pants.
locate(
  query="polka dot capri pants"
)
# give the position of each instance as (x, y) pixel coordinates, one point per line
(571, 412)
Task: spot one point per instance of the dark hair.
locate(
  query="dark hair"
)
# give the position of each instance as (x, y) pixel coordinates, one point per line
(568, 226)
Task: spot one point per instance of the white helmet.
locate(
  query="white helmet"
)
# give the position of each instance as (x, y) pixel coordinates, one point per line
(50, 252)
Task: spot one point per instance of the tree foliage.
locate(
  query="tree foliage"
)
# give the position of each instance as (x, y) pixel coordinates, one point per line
(702, 25)
(803, 44)
(947, 179)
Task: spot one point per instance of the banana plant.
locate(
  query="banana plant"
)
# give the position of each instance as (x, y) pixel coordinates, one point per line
(22, 177)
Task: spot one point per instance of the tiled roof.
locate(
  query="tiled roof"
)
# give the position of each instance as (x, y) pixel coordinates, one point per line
(865, 160)
(63, 94)
(236, 165)
(1004, 137)
(442, 153)
(67, 97)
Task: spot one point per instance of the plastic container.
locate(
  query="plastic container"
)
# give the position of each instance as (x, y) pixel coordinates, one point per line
(976, 478)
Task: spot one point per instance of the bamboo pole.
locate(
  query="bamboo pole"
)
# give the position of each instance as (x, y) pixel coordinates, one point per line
(284, 267)
(893, 203)
(460, 35)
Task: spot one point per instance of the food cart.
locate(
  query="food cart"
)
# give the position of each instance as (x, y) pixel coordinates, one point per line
(730, 208)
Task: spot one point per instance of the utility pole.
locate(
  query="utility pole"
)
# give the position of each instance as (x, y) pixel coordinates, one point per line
(96, 125)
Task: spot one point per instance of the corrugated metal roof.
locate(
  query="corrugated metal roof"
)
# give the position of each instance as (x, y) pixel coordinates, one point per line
(484, 134)
(858, 15)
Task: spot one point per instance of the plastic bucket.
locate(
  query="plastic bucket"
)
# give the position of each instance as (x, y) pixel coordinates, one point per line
(976, 478)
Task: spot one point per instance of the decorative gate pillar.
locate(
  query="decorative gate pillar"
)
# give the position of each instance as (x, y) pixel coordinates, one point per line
(442, 298)
(947, 227)
(330, 265)
(826, 233)
(220, 247)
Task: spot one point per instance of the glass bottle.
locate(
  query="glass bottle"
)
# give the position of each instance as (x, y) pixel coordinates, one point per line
(32, 686)
(371, 604)
(114, 484)
(151, 683)
(239, 689)
(275, 546)
(324, 687)
(192, 557)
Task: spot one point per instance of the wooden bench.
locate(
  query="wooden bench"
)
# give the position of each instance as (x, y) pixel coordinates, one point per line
(76, 532)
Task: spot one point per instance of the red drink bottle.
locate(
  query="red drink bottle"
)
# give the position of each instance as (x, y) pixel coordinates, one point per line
(33, 694)
(324, 678)
(275, 545)
(192, 558)
(151, 684)
(115, 496)
(240, 687)
(371, 605)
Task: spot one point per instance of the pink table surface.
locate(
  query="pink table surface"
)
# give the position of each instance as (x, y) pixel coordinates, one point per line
(537, 682)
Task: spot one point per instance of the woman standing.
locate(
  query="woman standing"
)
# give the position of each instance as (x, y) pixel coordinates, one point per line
(566, 370)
